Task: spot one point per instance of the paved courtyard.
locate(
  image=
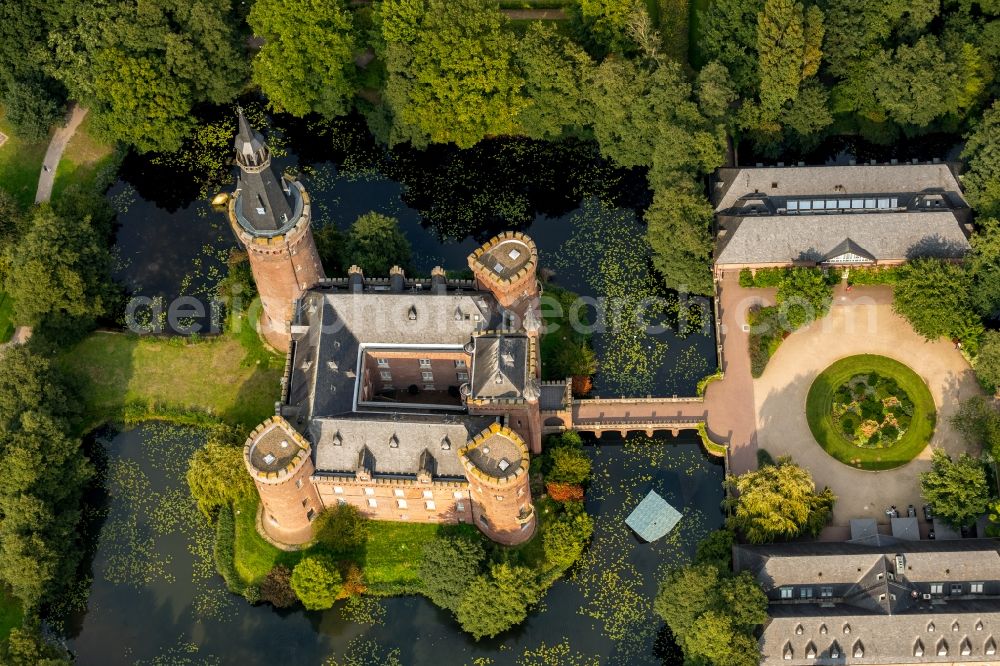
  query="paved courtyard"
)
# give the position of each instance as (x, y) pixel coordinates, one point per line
(861, 321)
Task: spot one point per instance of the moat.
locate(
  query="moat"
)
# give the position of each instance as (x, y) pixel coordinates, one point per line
(156, 599)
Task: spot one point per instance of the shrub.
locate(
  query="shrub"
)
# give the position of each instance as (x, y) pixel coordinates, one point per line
(564, 539)
(341, 528)
(252, 594)
(564, 492)
(569, 465)
(746, 278)
(276, 588)
(224, 549)
(717, 547)
(316, 582)
(354, 582)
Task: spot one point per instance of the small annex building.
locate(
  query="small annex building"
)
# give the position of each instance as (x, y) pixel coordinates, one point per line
(858, 215)
(653, 518)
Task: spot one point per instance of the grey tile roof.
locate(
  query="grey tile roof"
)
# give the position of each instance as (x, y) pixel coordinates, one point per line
(734, 183)
(262, 200)
(784, 239)
(500, 366)
(885, 611)
(395, 444)
(552, 396)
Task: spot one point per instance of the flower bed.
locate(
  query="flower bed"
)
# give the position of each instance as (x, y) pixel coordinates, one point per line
(871, 411)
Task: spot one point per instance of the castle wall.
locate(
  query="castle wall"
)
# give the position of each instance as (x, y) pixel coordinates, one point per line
(290, 507)
(399, 499)
(404, 369)
(522, 416)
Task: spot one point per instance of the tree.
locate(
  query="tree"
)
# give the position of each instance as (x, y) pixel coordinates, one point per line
(983, 264)
(556, 76)
(25, 646)
(450, 75)
(376, 244)
(140, 67)
(307, 61)
(316, 582)
(936, 298)
(716, 91)
(781, 48)
(776, 502)
(447, 566)
(216, 473)
(565, 538)
(982, 149)
(729, 35)
(809, 114)
(60, 268)
(678, 227)
(32, 107)
(276, 588)
(495, 603)
(330, 242)
(804, 295)
(712, 616)
(957, 491)
(341, 528)
(716, 549)
(979, 421)
(603, 25)
(569, 465)
(987, 362)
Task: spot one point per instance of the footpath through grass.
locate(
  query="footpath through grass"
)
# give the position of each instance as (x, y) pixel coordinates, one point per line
(85, 162)
(390, 558)
(820, 401)
(125, 376)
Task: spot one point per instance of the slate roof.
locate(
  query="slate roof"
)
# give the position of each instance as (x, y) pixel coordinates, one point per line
(263, 201)
(848, 246)
(395, 443)
(734, 183)
(500, 366)
(653, 518)
(834, 586)
(786, 239)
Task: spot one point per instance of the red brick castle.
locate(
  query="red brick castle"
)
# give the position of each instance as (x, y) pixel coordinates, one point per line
(411, 399)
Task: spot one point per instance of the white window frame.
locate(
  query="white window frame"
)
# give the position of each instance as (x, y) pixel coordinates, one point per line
(427, 375)
(431, 506)
(787, 592)
(398, 492)
(383, 362)
(372, 502)
(385, 375)
(338, 490)
(460, 507)
(369, 491)
(401, 504)
(462, 376)
(425, 363)
(975, 588)
(460, 363)
(937, 588)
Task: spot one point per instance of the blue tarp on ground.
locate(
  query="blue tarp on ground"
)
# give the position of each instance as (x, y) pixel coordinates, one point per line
(653, 518)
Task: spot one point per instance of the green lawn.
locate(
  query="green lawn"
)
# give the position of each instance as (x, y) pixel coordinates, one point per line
(85, 162)
(390, 559)
(913, 441)
(10, 614)
(6, 323)
(225, 377)
(20, 165)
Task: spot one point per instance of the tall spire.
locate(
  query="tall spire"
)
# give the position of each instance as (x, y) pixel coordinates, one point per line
(264, 203)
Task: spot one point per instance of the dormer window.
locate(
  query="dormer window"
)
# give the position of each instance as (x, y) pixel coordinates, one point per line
(393, 442)
(918, 649)
(412, 313)
(445, 443)
(337, 439)
(859, 650)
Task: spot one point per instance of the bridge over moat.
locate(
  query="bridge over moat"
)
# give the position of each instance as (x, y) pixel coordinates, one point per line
(727, 409)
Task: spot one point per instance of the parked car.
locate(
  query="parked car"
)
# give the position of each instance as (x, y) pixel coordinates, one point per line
(927, 512)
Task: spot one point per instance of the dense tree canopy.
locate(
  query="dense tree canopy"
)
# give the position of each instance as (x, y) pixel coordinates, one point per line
(494, 603)
(788, 43)
(341, 528)
(777, 502)
(982, 149)
(307, 61)
(565, 538)
(956, 490)
(376, 244)
(604, 25)
(936, 297)
(142, 66)
(316, 582)
(217, 475)
(712, 615)
(678, 227)
(450, 73)
(447, 566)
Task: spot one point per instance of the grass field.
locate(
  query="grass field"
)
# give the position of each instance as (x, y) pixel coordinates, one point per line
(84, 161)
(913, 441)
(390, 559)
(225, 377)
(20, 165)
(10, 614)
(6, 323)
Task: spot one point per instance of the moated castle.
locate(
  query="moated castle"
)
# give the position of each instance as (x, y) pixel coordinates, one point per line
(411, 399)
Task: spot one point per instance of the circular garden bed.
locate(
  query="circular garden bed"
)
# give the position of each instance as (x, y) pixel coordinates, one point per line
(870, 412)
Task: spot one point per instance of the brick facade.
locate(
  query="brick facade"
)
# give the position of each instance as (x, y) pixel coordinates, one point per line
(399, 499)
(403, 368)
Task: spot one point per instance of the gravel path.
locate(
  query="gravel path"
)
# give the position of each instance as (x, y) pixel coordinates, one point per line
(55, 151)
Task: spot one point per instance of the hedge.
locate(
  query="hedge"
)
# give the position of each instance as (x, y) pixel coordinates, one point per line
(224, 551)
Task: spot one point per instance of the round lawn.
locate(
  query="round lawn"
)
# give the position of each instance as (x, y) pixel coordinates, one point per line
(823, 395)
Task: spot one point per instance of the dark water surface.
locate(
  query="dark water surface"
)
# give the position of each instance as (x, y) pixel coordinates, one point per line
(581, 212)
(156, 598)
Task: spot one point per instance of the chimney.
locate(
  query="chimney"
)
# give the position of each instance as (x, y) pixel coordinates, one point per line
(397, 280)
(439, 281)
(355, 279)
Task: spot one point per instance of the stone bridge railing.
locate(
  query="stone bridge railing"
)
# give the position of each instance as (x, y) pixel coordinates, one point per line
(648, 400)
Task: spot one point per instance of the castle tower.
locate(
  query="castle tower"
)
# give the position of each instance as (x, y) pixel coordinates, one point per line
(496, 465)
(271, 217)
(280, 461)
(506, 265)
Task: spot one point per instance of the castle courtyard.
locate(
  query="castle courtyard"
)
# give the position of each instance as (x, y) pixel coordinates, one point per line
(861, 321)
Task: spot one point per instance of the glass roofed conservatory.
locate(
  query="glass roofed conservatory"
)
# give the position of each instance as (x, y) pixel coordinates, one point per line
(840, 205)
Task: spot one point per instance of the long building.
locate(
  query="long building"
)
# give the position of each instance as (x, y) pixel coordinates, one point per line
(858, 215)
(903, 603)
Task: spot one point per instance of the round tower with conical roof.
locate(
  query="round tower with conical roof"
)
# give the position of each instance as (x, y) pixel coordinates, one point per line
(270, 216)
(496, 465)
